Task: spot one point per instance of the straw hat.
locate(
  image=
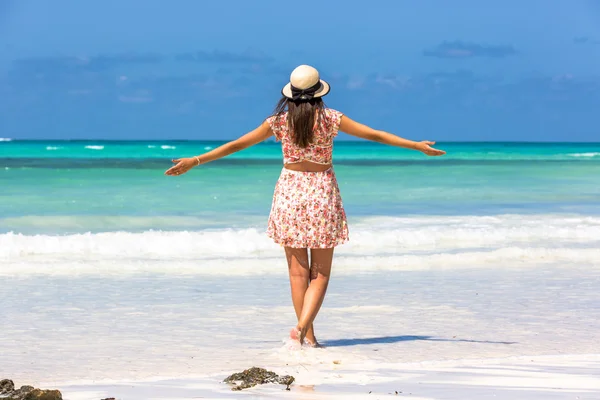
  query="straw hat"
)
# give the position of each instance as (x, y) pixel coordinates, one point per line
(305, 84)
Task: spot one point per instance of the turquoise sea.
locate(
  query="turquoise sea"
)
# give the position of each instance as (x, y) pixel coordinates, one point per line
(77, 199)
(60, 187)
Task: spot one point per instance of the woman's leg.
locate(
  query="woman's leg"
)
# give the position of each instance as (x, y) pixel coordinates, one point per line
(320, 270)
(298, 267)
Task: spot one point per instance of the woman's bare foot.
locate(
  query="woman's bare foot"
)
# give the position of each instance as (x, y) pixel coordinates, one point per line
(295, 334)
(307, 337)
(298, 333)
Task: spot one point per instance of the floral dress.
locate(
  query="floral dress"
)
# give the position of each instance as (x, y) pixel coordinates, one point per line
(307, 209)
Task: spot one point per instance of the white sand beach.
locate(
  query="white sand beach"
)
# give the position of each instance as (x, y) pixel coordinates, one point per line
(489, 331)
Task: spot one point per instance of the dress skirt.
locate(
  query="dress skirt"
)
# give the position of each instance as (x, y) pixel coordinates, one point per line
(307, 211)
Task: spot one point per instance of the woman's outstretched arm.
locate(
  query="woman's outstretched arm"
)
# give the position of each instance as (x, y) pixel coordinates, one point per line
(362, 131)
(263, 132)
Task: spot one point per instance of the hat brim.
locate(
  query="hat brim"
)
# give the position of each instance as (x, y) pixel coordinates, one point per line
(287, 90)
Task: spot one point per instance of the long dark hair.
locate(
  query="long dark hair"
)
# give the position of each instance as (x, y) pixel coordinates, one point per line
(301, 117)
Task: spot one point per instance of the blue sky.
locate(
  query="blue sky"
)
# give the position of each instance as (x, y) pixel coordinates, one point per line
(460, 70)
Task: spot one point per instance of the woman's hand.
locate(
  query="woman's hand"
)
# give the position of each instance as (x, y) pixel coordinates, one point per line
(425, 147)
(182, 165)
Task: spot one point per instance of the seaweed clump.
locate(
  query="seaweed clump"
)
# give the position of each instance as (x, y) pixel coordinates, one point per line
(257, 376)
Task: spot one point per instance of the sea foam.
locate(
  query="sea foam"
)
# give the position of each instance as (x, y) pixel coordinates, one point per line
(584, 154)
(386, 244)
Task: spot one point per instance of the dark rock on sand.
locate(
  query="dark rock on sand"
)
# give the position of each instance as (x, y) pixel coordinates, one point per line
(8, 392)
(257, 376)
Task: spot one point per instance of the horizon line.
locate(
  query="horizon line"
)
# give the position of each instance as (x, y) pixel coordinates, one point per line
(9, 140)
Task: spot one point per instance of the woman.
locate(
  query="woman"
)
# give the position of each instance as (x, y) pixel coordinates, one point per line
(307, 211)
